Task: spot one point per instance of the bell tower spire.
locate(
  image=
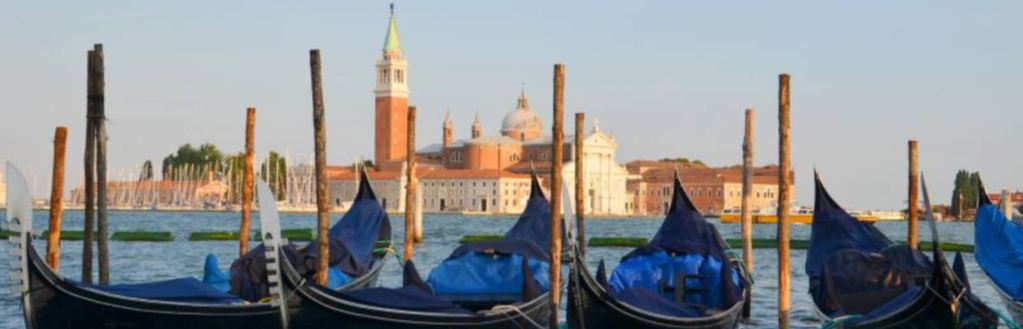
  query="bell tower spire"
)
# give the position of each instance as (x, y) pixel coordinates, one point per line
(391, 99)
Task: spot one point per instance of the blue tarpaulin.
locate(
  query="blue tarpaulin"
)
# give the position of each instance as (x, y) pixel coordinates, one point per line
(498, 273)
(833, 230)
(493, 271)
(685, 246)
(214, 277)
(363, 225)
(854, 269)
(999, 249)
(534, 224)
(183, 290)
(414, 295)
(352, 240)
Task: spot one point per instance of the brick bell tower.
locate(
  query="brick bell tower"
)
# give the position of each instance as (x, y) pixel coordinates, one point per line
(391, 101)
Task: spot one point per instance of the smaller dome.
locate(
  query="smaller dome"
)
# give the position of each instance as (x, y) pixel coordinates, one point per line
(522, 123)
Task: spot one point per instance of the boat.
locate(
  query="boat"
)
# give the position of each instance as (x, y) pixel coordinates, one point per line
(706, 291)
(460, 292)
(360, 243)
(999, 251)
(51, 301)
(796, 216)
(860, 279)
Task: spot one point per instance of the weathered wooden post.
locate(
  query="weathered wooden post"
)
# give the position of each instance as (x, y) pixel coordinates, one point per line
(1007, 204)
(99, 85)
(248, 180)
(914, 181)
(747, 199)
(320, 135)
(580, 188)
(410, 184)
(418, 234)
(90, 168)
(557, 146)
(56, 199)
(784, 185)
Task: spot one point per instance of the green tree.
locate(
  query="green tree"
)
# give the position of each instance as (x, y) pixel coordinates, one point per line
(965, 187)
(192, 163)
(147, 171)
(274, 171)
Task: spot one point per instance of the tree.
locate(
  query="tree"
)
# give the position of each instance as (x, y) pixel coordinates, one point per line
(190, 163)
(147, 171)
(275, 172)
(965, 187)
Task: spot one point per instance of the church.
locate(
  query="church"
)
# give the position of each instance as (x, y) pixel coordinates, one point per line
(484, 174)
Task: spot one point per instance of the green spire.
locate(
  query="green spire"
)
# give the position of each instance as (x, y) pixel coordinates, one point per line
(392, 42)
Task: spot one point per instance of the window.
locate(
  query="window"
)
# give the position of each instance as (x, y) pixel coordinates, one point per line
(387, 75)
(399, 76)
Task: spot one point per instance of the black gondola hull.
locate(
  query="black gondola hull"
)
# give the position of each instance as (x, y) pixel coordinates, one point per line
(312, 307)
(54, 303)
(590, 306)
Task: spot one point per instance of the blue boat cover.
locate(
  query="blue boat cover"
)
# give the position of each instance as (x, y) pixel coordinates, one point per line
(854, 269)
(414, 295)
(999, 248)
(363, 225)
(352, 240)
(686, 248)
(213, 276)
(833, 229)
(495, 271)
(183, 290)
(534, 224)
(490, 270)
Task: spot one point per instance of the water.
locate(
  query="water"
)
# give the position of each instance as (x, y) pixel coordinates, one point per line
(133, 262)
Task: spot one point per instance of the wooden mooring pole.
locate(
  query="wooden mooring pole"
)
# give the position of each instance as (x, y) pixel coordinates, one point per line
(56, 199)
(320, 135)
(914, 193)
(580, 184)
(410, 184)
(90, 168)
(101, 165)
(784, 184)
(248, 180)
(557, 149)
(747, 199)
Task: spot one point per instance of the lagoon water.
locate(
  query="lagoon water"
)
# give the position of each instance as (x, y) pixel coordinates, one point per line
(133, 262)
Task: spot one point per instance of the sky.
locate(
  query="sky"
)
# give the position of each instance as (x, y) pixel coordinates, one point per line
(668, 78)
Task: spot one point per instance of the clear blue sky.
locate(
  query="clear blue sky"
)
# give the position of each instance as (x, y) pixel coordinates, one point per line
(669, 78)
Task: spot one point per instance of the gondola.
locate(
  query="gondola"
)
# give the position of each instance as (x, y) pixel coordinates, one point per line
(514, 300)
(359, 245)
(999, 251)
(706, 291)
(860, 279)
(50, 301)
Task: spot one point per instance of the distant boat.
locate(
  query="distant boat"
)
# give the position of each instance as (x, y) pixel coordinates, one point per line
(796, 216)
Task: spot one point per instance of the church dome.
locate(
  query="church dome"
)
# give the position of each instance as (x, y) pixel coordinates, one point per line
(522, 123)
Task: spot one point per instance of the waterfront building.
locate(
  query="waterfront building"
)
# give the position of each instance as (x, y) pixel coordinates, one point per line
(480, 174)
(712, 190)
(3, 190)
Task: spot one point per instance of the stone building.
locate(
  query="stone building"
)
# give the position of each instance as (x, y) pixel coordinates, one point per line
(711, 189)
(485, 174)
(3, 190)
